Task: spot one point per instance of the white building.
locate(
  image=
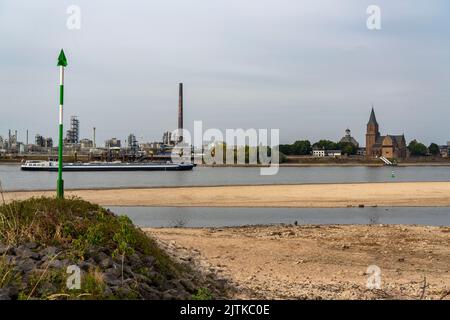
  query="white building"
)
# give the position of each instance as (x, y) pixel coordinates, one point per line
(318, 152)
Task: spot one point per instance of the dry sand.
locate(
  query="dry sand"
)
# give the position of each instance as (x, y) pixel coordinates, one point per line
(319, 262)
(302, 196)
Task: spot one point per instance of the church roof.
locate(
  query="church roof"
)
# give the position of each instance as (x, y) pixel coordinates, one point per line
(372, 119)
(396, 139)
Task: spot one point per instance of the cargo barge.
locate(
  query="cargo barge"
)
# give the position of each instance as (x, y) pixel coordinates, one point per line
(34, 165)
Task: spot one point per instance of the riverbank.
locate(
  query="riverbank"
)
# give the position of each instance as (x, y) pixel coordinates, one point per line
(319, 262)
(401, 194)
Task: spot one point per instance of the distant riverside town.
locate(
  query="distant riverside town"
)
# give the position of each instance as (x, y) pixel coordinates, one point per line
(390, 146)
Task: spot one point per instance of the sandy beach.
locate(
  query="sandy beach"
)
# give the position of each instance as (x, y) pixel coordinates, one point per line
(404, 194)
(319, 262)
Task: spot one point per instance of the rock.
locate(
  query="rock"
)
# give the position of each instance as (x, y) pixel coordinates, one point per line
(170, 294)
(25, 266)
(123, 292)
(4, 249)
(100, 256)
(49, 251)
(114, 271)
(149, 293)
(46, 288)
(111, 279)
(4, 296)
(149, 260)
(57, 264)
(25, 252)
(401, 259)
(108, 292)
(134, 260)
(84, 265)
(188, 284)
(31, 245)
(9, 259)
(9, 293)
(106, 263)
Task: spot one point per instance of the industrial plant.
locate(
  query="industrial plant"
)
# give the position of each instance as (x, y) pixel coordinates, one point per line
(87, 149)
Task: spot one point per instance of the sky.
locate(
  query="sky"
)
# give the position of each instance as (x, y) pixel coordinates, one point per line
(308, 68)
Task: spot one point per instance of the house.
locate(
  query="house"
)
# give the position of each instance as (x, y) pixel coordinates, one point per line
(319, 153)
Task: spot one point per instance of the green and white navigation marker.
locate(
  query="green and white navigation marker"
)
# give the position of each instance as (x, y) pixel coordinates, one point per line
(62, 63)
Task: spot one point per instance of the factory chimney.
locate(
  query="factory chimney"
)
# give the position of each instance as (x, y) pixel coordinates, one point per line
(180, 113)
(27, 137)
(93, 140)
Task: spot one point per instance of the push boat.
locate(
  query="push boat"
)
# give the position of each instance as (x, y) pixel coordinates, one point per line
(37, 165)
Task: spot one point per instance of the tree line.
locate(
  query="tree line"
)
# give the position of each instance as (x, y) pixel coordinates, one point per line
(304, 147)
(419, 149)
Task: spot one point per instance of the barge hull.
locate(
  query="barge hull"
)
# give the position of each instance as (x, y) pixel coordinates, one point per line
(112, 168)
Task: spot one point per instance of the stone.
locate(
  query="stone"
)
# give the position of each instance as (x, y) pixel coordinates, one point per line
(100, 256)
(31, 245)
(149, 293)
(170, 294)
(9, 292)
(4, 249)
(111, 279)
(106, 263)
(134, 260)
(4, 296)
(149, 260)
(46, 288)
(23, 252)
(108, 292)
(123, 292)
(84, 265)
(49, 251)
(188, 284)
(25, 266)
(55, 264)
(114, 271)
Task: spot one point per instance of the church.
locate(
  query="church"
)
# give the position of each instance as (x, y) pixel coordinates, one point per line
(388, 146)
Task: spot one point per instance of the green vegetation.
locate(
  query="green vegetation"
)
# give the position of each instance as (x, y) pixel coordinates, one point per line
(325, 144)
(300, 147)
(203, 294)
(433, 149)
(304, 147)
(347, 148)
(78, 229)
(417, 149)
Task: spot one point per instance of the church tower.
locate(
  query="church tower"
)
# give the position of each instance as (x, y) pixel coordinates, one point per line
(372, 134)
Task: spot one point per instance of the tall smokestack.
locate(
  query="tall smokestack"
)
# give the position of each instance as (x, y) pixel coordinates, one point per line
(93, 140)
(27, 137)
(180, 113)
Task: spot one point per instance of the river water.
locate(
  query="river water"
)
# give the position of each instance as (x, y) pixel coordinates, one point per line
(12, 178)
(220, 217)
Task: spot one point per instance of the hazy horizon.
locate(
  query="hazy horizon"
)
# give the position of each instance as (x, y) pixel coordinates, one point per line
(310, 68)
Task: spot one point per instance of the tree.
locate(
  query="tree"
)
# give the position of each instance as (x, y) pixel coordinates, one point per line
(286, 149)
(433, 149)
(417, 148)
(325, 144)
(301, 147)
(347, 148)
